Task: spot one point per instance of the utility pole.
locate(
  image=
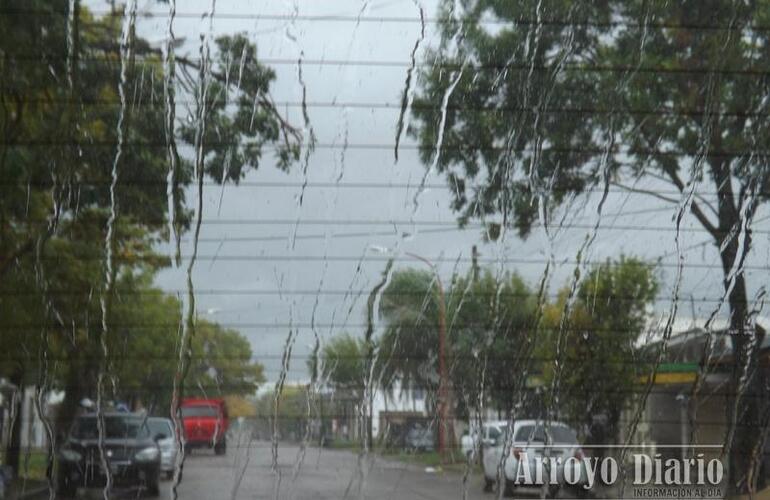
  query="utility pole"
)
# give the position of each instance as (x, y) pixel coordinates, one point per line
(444, 420)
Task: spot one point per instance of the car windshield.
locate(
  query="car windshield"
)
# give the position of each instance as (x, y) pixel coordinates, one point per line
(558, 433)
(199, 411)
(160, 426)
(563, 435)
(530, 433)
(498, 432)
(115, 427)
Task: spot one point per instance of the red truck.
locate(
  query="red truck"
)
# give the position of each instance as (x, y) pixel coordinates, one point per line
(205, 424)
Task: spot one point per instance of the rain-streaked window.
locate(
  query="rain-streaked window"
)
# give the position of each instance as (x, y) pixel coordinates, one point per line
(384, 249)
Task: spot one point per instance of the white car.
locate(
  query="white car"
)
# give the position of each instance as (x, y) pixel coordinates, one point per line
(503, 452)
(162, 431)
(467, 445)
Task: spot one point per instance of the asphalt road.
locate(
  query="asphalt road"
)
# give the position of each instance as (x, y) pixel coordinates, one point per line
(247, 472)
(320, 474)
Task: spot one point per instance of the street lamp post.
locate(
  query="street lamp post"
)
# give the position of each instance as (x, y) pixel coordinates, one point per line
(443, 385)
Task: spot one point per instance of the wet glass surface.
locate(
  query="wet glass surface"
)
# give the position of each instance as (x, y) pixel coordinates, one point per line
(345, 247)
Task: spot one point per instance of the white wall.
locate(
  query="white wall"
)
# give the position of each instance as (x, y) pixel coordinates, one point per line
(396, 400)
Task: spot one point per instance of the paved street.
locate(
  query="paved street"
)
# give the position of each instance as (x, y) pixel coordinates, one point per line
(323, 474)
(246, 473)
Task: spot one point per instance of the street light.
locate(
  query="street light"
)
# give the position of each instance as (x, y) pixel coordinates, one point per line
(443, 385)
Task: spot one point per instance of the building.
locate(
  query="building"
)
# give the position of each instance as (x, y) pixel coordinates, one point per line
(688, 398)
(33, 427)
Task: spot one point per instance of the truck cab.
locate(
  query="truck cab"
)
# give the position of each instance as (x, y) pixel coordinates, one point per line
(205, 423)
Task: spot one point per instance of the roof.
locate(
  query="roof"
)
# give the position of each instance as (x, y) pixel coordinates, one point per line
(202, 401)
(111, 414)
(519, 422)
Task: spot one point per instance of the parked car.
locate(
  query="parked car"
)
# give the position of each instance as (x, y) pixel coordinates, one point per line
(470, 441)
(127, 450)
(529, 440)
(419, 439)
(205, 424)
(162, 431)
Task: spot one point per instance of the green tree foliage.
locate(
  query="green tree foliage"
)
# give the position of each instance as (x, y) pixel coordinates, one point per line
(490, 329)
(408, 350)
(489, 320)
(222, 363)
(343, 367)
(343, 364)
(148, 361)
(524, 127)
(287, 415)
(76, 106)
(599, 360)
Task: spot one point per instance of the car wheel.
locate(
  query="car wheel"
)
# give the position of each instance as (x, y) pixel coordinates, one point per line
(221, 447)
(153, 487)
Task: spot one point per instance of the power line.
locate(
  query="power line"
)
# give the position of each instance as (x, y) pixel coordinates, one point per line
(594, 151)
(268, 356)
(726, 392)
(406, 222)
(346, 18)
(239, 325)
(367, 234)
(694, 112)
(325, 184)
(382, 258)
(329, 293)
(405, 64)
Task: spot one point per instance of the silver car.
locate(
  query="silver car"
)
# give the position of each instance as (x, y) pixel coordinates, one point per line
(419, 439)
(530, 442)
(162, 431)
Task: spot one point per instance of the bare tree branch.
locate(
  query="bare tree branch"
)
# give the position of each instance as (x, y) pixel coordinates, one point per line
(694, 207)
(644, 191)
(264, 100)
(289, 131)
(700, 197)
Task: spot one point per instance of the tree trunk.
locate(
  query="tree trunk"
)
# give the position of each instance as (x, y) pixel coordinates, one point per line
(74, 391)
(749, 396)
(13, 450)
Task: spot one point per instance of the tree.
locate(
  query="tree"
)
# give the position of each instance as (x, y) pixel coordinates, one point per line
(84, 169)
(489, 330)
(222, 363)
(288, 415)
(343, 364)
(408, 349)
(343, 367)
(240, 407)
(598, 364)
(148, 321)
(682, 94)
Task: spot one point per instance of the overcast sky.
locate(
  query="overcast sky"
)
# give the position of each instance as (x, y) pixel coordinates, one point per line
(246, 252)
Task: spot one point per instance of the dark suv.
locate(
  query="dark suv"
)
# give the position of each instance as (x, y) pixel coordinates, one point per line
(130, 453)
